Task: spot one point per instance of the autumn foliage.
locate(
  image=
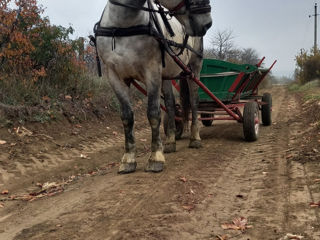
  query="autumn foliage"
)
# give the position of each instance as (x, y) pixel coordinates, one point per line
(35, 54)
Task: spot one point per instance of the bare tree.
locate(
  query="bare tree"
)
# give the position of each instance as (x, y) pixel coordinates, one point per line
(249, 55)
(223, 48)
(222, 45)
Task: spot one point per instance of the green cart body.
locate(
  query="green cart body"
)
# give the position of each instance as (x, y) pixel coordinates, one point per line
(229, 81)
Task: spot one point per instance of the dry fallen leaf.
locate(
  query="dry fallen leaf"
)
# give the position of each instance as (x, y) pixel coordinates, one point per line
(83, 156)
(290, 236)
(46, 98)
(183, 179)
(237, 224)
(46, 186)
(5, 192)
(188, 207)
(92, 173)
(313, 204)
(22, 132)
(115, 133)
(224, 237)
(68, 97)
(1, 205)
(2, 142)
(143, 140)
(111, 165)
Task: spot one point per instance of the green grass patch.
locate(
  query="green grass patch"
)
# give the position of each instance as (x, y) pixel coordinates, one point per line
(309, 91)
(295, 87)
(312, 97)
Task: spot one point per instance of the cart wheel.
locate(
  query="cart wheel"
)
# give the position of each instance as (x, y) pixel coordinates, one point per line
(251, 121)
(206, 123)
(266, 109)
(179, 126)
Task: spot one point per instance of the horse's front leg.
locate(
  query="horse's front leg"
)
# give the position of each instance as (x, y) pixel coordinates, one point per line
(195, 140)
(121, 89)
(170, 144)
(156, 160)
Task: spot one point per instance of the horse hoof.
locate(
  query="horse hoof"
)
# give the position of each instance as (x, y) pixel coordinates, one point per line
(155, 167)
(195, 144)
(169, 148)
(126, 168)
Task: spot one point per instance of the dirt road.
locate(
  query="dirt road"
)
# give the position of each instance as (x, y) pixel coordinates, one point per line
(198, 191)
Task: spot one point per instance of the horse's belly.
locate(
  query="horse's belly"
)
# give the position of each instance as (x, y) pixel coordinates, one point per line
(131, 57)
(138, 57)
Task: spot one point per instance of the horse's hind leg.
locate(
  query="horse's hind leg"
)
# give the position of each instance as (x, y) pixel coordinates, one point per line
(170, 144)
(195, 140)
(156, 160)
(196, 65)
(128, 162)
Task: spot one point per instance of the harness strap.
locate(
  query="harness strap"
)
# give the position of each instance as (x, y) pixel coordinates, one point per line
(93, 43)
(185, 43)
(178, 7)
(183, 46)
(121, 32)
(138, 8)
(165, 21)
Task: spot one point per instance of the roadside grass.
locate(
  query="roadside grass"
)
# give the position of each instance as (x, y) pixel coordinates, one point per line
(310, 95)
(89, 96)
(309, 91)
(42, 102)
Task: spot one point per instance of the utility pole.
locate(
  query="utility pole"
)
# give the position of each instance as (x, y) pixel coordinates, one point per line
(315, 15)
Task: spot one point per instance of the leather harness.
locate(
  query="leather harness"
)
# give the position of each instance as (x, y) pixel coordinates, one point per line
(153, 29)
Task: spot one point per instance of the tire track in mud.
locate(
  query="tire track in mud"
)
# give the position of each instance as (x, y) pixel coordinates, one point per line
(259, 172)
(303, 219)
(227, 178)
(35, 162)
(257, 175)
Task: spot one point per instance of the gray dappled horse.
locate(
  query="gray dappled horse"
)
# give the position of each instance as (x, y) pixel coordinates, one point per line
(139, 57)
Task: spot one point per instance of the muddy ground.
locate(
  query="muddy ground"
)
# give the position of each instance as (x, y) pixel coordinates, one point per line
(270, 182)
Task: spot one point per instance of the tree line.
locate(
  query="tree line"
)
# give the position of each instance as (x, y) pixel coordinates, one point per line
(35, 55)
(222, 47)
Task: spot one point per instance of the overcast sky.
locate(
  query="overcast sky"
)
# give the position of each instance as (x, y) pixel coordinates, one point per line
(277, 29)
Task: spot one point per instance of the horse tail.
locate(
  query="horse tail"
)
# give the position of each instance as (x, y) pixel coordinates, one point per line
(185, 99)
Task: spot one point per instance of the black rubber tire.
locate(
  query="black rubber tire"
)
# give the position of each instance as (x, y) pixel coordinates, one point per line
(206, 123)
(266, 109)
(179, 126)
(250, 124)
